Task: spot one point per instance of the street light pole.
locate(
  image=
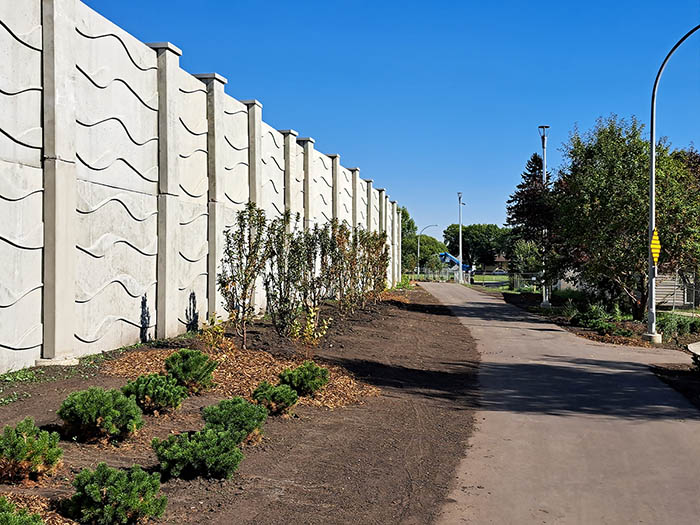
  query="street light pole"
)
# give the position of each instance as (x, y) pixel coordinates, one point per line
(421, 233)
(545, 290)
(652, 335)
(459, 198)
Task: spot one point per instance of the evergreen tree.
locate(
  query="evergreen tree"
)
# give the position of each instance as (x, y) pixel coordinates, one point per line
(529, 210)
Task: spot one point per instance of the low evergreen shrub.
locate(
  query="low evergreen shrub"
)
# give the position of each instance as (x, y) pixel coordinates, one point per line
(236, 415)
(209, 453)
(155, 392)
(107, 496)
(591, 318)
(11, 515)
(192, 369)
(306, 378)
(96, 413)
(277, 399)
(26, 451)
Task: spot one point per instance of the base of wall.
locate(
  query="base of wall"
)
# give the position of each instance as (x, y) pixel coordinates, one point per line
(65, 361)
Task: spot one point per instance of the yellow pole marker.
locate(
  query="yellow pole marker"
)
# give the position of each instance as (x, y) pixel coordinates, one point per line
(655, 247)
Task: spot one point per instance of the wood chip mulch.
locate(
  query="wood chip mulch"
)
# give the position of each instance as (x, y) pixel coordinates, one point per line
(241, 371)
(38, 505)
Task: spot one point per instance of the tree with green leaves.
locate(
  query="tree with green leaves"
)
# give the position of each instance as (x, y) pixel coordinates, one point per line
(602, 203)
(529, 208)
(429, 248)
(481, 243)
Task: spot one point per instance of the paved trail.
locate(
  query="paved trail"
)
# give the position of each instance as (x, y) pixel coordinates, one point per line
(570, 431)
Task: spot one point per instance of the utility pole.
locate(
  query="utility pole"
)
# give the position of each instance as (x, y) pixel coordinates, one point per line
(421, 233)
(459, 198)
(545, 288)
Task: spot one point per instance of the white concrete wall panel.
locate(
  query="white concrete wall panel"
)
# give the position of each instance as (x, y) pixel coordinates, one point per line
(117, 171)
(345, 196)
(117, 242)
(362, 208)
(272, 159)
(192, 174)
(117, 113)
(21, 184)
(375, 211)
(321, 189)
(235, 152)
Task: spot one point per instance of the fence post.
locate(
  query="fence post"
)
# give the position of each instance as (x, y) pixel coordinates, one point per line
(290, 155)
(355, 195)
(308, 144)
(335, 172)
(369, 204)
(168, 190)
(215, 173)
(254, 151)
(60, 184)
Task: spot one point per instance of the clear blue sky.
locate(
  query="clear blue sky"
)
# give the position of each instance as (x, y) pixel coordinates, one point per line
(430, 98)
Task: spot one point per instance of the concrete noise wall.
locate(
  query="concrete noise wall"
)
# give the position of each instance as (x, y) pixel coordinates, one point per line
(120, 174)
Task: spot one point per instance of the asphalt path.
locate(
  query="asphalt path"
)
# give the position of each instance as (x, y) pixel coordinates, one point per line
(569, 430)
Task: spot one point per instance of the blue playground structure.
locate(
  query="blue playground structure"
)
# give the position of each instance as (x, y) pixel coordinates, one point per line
(452, 260)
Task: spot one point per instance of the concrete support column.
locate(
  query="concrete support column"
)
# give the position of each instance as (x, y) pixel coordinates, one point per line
(382, 210)
(215, 172)
(394, 247)
(398, 243)
(370, 210)
(355, 196)
(58, 20)
(308, 145)
(335, 174)
(168, 191)
(290, 155)
(254, 151)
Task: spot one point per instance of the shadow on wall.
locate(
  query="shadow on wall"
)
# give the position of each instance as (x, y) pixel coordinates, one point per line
(191, 314)
(145, 319)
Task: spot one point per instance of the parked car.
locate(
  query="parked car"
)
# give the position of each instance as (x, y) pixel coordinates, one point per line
(499, 271)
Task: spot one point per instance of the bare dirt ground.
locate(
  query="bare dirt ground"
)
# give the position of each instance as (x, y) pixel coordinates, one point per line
(389, 459)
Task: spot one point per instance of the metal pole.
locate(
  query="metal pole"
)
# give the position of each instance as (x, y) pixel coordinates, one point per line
(419, 234)
(545, 291)
(459, 198)
(652, 335)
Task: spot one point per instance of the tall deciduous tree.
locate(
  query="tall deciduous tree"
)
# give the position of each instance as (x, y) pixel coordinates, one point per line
(429, 248)
(602, 203)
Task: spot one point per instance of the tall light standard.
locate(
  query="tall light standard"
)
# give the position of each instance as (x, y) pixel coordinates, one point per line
(652, 335)
(543, 134)
(459, 198)
(421, 233)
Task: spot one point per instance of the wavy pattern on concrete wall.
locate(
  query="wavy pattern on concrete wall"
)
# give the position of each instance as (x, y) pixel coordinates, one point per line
(375, 211)
(193, 247)
(272, 156)
(322, 189)
(117, 171)
(235, 152)
(345, 196)
(21, 184)
(362, 207)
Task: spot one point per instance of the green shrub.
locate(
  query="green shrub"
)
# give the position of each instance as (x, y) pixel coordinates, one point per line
(11, 515)
(192, 369)
(594, 315)
(96, 412)
(236, 415)
(209, 453)
(672, 325)
(277, 399)
(305, 379)
(107, 496)
(155, 392)
(27, 451)
(695, 325)
(569, 310)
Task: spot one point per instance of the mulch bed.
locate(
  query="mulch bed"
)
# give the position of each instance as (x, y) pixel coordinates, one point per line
(379, 446)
